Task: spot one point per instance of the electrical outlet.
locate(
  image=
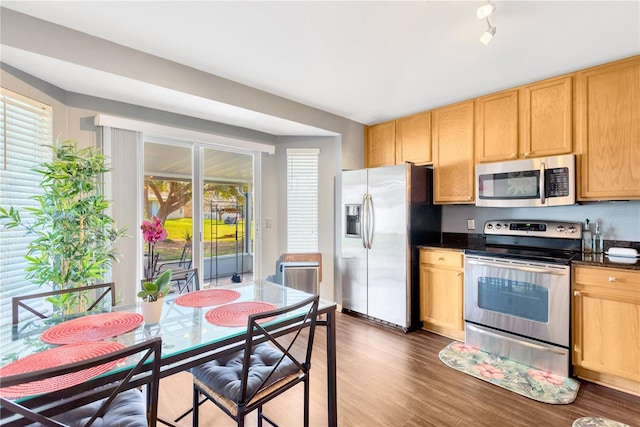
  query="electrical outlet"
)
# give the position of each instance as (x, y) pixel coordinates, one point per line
(471, 224)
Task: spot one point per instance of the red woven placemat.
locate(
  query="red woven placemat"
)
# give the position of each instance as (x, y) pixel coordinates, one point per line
(92, 328)
(207, 297)
(237, 313)
(57, 357)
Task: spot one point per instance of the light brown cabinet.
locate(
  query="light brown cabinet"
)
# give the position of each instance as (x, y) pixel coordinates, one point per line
(413, 139)
(530, 121)
(497, 130)
(380, 145)
(453, 153)
(608, 131)
(606, 326)
(546, 118)
(442, 292)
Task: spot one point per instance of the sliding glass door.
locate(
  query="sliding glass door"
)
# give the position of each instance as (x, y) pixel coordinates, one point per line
(196, 190)
(227, 225)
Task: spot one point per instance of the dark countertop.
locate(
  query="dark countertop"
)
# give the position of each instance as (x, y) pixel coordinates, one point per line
(602, 260)
(463, 242)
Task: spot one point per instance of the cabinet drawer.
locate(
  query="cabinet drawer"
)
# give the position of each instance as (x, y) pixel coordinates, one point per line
(442, 258)
(623, 280)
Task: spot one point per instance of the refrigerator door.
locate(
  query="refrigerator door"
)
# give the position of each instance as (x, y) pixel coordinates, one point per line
(389, 256)
(354, 254)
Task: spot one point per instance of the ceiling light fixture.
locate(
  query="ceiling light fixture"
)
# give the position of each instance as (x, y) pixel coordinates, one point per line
(483, 13)
(486, 37)
(486, 10)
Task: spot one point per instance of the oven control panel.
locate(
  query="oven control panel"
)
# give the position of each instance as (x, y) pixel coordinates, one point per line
(553, 229)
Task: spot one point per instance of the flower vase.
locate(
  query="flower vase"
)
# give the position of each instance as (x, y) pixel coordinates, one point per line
(151, 311)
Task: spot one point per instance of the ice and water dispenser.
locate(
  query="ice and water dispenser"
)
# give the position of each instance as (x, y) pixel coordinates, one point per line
(352, 220)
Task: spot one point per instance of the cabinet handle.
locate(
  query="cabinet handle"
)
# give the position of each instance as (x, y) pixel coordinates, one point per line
(459, 274)
(514, 156)
(576, 293)
(440, 258)
(612, 279)
(527, 154)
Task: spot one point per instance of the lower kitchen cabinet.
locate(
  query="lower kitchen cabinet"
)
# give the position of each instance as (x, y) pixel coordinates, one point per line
(606, 327)
(442, 292)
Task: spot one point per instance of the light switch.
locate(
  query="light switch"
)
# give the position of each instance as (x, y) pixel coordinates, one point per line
(471, 224)
(268, 223)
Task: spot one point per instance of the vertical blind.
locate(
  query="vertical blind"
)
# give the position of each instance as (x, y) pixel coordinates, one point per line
(302, 199)
(25, 132)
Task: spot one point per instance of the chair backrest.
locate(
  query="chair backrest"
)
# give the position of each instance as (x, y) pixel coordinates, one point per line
(20, 301)
(184, 281)
(102, 389)
(292, 335)
(185, 258)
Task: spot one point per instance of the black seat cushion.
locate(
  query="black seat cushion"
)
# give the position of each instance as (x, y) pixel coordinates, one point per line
(223, 374)
(128, 409)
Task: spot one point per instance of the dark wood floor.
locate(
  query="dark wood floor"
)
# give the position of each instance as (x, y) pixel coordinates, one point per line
(387, 378)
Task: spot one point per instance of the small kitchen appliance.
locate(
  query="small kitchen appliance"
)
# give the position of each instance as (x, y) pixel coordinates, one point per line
(517, 291)
(536, 182)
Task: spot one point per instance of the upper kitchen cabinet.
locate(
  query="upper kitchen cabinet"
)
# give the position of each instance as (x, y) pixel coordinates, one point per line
(380, 145)
(413, 139)
(530, 121)
(546, 118)
(453, 159)
(608, 131)
(497, 127)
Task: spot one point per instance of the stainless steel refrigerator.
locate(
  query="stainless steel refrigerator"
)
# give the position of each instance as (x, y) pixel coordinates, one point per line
(386, 213)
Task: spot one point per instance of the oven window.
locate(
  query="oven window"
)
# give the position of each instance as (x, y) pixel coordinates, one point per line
(514, 298)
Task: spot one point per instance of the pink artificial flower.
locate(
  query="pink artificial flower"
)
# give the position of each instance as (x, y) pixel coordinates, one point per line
(545, 376)
(463, 348)
(153, 232)
(489, 371)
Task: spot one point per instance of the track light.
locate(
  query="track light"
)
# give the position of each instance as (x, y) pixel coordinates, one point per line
(486, 10)
(486, 37)
(483, 13)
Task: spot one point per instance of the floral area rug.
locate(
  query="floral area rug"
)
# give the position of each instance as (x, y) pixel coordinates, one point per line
(525, 380)
(597, 422)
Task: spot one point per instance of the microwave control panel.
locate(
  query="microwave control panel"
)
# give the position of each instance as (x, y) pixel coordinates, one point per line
(557, 182)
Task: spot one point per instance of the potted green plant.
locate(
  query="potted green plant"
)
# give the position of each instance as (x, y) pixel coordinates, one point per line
(152, 295)
(74, 239)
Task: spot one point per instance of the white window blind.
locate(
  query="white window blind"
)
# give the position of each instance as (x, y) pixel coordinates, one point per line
(302, 199)
(25, 131)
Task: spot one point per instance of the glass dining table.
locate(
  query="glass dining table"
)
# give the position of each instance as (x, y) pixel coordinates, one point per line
(189, 338)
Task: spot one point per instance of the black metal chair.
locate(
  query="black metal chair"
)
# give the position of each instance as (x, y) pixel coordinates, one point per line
(20, 301)
(113, 399)
(184, 277)
(276, 357)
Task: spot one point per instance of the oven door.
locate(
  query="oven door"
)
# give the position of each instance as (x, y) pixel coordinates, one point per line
(525, 298)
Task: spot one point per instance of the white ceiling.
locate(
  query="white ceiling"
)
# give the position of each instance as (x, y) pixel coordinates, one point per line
(364, 60)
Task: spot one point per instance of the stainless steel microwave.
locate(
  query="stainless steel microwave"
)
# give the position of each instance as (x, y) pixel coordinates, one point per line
(543, 181)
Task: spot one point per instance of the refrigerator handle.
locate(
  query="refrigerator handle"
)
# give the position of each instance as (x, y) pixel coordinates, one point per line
(363, 222)
(370, 221)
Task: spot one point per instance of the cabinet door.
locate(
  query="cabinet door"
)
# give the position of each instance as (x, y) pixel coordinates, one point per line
(441, 301)
(453, 158)
(606, 330)
(546, 118)
(608, 131)
(606, 326)
(413, 139)
(380, 145)
(497, 127)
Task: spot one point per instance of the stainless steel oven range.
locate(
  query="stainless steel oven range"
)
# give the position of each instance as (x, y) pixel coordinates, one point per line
(517, 292)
